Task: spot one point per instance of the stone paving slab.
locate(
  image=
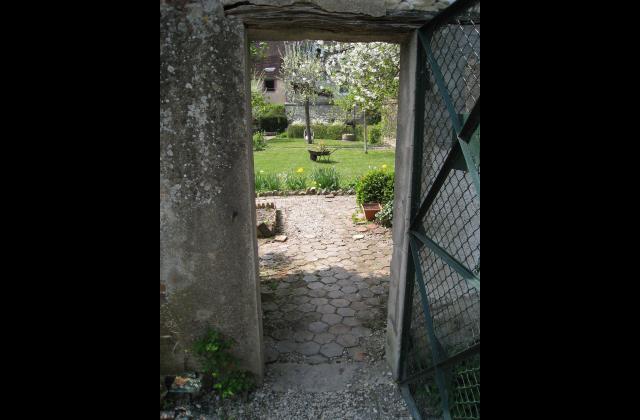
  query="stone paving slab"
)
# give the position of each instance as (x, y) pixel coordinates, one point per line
(323, 291)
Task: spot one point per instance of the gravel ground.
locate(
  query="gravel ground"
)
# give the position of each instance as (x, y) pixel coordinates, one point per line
(371, 395)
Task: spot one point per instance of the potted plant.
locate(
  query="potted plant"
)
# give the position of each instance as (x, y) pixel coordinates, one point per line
(374, 189)
(370, 210)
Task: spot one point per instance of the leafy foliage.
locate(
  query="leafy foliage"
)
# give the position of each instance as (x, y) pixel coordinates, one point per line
(220, 366)
(326, 178)
(268, 182)
(258, 101)
(385, 216)
(375, 186)
(321, 131)
(272, 117)
(296, 181)
(374, 134)
(258, 50)
(259, 143)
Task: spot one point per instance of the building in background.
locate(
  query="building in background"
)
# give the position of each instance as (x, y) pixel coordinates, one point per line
(269, 67)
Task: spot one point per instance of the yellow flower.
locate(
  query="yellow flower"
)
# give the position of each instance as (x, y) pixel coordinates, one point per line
(384, 166)
(261, 171)
(300, 170)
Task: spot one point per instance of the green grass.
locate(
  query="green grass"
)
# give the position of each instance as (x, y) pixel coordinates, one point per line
(285, 155)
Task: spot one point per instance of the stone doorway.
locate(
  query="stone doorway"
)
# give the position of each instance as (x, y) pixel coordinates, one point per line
(206, 177)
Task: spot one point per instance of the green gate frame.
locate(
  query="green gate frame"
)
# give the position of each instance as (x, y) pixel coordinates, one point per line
(464, 154)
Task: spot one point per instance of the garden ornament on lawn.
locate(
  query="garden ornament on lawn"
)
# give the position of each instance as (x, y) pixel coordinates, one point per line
(306, 137)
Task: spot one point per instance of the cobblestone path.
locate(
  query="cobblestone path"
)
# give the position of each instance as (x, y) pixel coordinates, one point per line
(324, 290)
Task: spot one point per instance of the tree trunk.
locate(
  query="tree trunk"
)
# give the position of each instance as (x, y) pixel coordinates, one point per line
(364, 115)
(354, 121)
(307, 119)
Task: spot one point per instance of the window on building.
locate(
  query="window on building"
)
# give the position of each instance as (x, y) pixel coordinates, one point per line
(270, 85)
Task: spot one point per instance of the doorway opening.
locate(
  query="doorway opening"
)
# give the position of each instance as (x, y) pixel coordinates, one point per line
(324, 260)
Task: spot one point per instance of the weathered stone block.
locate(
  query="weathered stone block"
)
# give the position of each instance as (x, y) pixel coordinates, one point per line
(207, 207)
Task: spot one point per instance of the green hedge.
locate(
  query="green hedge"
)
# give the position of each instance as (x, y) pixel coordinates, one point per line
(272, 118)
(320, 131)
(335, 131)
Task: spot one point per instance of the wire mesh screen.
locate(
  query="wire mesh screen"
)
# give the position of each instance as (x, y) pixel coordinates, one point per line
(441, 357)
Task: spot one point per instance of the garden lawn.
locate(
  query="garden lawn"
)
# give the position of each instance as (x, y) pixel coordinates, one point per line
(285, 155)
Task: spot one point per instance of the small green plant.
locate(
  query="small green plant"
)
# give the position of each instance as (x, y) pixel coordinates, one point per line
(385, 216)
(296, 181)
(356, 220)
(220, 366)
(350, 184)
(326, 178)
(259, 143)
(321, 147)
(375, 186)
(374, 133)
(268, 182)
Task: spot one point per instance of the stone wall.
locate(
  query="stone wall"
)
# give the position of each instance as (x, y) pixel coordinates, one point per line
(208, 251)
(340, 20)
(319, 112)
(426, 5)
(370, 7)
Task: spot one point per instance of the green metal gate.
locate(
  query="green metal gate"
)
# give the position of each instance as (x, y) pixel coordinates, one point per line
(440, 358)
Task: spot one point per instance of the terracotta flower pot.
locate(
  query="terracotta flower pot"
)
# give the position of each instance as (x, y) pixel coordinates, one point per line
(370, 210)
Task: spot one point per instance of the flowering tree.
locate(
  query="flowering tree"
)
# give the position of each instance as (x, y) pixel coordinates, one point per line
(369, 72)
(303, 71)
(258, 101)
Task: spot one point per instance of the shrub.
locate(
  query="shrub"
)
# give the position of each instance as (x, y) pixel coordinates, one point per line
(374, 133)
(259, 143)
(220, 367)
(373, 117)
(376, 185)
(272, 118)
(320, 131)
(326, 178)
(359, 132)
(268, 182)
(296, 181)
(330, 131)
(295, 131)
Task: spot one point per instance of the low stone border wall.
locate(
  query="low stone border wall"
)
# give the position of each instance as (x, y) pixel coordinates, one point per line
(308, 191)
(268, 228)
